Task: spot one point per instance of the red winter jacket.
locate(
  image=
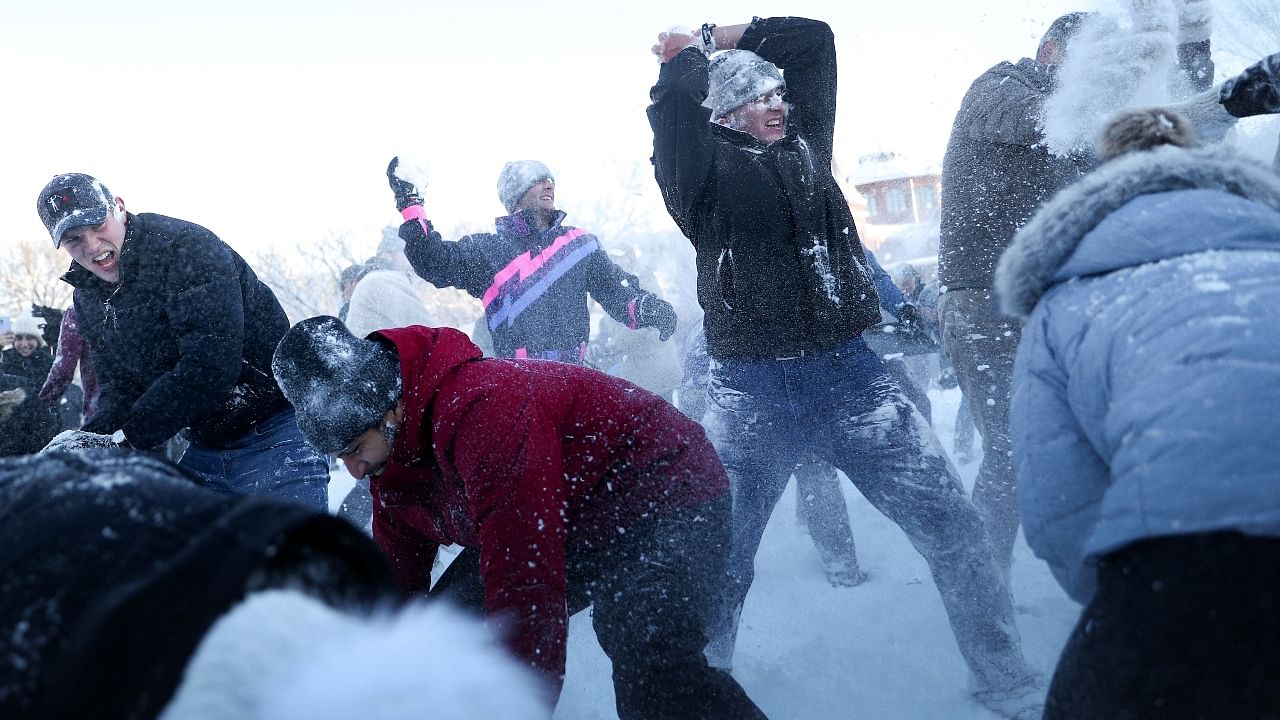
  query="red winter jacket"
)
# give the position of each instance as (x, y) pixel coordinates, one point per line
(528, 461)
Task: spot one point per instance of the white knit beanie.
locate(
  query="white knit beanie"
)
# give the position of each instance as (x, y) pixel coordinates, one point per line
(28, 325)
(736, 77)
(516, 178)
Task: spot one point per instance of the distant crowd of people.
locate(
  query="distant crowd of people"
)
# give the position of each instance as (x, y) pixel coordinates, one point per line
(1104, 313)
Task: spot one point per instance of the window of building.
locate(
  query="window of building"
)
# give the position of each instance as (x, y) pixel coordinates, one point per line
(926, 199)
(895, 200)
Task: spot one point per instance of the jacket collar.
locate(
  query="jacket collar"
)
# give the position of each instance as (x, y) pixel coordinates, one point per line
(751, 143)
(1028, 268)
(521, 224)
(427, 356)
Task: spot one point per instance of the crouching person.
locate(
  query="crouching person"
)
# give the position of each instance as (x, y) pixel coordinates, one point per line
(575, 487)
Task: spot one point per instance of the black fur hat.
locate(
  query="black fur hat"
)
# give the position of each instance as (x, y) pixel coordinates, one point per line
(339, 384)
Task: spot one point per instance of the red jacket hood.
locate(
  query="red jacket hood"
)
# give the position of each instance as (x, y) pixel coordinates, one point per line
(427, 356)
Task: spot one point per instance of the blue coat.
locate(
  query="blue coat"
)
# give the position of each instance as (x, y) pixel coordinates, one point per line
(1147, 380)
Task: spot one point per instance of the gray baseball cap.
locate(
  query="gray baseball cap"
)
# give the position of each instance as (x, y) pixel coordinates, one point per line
(73, 200)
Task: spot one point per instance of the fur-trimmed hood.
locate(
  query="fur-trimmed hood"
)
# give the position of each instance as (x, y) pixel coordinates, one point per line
(1209, 182)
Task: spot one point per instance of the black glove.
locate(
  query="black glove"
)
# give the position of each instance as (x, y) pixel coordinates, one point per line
(947, 378)
(908, 314)
(405, 191)
(652, 311)
(52, 322)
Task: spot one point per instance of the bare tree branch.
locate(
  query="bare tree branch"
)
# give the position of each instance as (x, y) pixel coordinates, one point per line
(30, 272)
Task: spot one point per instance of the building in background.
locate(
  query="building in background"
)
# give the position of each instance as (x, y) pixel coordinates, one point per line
(896, 206)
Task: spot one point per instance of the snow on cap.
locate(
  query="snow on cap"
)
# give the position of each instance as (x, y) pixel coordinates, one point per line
(516, 178)
(736, 77)
(339, 384)
(73, 200)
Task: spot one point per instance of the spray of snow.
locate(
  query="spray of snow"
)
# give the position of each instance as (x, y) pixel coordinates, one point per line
(1112, 63)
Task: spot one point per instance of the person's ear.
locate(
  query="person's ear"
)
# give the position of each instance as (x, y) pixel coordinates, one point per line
(1046, 53)
(396, 413)
(120, 203)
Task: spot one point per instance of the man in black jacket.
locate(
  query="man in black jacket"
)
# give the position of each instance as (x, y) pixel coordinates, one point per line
(182, 333)
(996, 172)
(533, 276)
(744, 164)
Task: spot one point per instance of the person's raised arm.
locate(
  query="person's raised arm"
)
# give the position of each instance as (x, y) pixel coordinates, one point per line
(443, 264)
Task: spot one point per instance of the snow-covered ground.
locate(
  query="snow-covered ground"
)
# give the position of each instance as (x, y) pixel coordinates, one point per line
(809, 651)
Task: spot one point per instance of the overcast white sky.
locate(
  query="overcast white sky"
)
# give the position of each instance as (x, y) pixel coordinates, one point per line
(272, 122)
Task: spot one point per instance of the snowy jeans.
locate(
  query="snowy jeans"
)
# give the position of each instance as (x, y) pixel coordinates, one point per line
(273, 459)
(842, 404)
(651, 592)
(981, 345)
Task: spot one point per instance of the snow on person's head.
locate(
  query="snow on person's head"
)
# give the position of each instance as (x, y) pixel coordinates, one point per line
(737, 77)
(340, 385)
(516, 178)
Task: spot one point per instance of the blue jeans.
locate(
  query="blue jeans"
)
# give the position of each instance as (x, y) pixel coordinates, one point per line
(763, 413)
(271, 459)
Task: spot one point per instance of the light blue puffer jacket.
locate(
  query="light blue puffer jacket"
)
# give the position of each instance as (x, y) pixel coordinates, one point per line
(1146, 396)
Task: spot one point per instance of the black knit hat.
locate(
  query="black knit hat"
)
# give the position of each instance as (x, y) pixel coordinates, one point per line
(339, 384)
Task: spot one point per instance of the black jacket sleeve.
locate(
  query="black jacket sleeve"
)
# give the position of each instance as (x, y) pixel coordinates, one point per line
(613, 287)
(462, 264)
(806, 52)
(206, 314)
(683, 146)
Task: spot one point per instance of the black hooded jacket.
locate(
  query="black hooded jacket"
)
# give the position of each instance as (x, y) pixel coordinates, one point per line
(184, 340)
(113, 565)
(780, 265)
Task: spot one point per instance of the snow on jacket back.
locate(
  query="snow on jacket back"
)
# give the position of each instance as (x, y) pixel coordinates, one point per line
(780, 265)
(533, 284)
(528, 461)
(183, 340)
(115, 564)
(1149, 368)
(996, 171)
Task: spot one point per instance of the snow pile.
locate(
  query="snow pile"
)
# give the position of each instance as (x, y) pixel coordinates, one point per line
(282, 655)
(77, 441)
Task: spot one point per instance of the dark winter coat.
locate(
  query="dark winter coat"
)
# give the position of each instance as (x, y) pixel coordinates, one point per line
(1255, 91)
(33, 368)
(997, 170)
(529, 462)
(115, 564)
(184, 340)
(26, 423)
(780, 265)
(533, 285)
(1144, 392)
